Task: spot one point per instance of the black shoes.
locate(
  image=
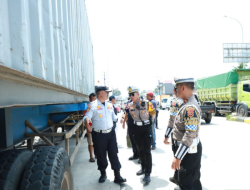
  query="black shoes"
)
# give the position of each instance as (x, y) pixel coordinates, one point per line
(173, 180)
(177, 188)
(133, 158)
(147, 178)
(103, 177)
(139, 161)
(118, 177)
(141, 172)
(153, 148)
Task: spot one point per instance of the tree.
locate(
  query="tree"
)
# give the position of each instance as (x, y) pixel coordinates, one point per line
(241, 65)
(143, 93)
(156, 90)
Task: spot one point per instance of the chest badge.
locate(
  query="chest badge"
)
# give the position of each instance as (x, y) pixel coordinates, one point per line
(100, 115)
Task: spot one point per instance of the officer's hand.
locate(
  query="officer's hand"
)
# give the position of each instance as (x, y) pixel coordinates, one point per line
(89, 128)
(176, 164)
(123, 125)
(166, 141)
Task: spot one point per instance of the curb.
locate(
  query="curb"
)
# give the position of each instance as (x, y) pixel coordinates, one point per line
(239, 120)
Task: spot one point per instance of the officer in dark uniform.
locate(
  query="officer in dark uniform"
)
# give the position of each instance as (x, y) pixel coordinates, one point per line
(143, 114)
(186, 143)
(101, 115)
(112, 100)
(130, 122)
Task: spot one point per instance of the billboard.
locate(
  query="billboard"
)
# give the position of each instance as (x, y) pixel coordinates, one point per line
(236, 52)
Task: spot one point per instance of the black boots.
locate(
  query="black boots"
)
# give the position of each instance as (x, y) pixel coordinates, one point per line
(173, 180)
(141, 172)
(103, 177)
(147, 178)
(118, 177)
(133, 158)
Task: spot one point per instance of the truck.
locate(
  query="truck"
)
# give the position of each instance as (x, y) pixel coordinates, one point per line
(46, 75)
(228, 92)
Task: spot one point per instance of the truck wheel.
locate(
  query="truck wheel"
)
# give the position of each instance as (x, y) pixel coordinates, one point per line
(242, 111)
(208, 120)
(216, 112)
(48, 168)
(12, 165)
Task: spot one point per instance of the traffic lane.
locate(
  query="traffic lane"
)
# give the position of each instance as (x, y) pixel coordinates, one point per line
(225, 152)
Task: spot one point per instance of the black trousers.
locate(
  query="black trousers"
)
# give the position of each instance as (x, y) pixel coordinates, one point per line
(132, 139)
(143, 139)
(190, 179)
(106, 143)
(156, 118)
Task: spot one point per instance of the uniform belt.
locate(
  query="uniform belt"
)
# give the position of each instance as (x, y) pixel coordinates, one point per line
(103, 131)
(177, 143)
(141, 123)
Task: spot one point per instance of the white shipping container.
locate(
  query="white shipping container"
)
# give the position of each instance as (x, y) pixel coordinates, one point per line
(45, 47)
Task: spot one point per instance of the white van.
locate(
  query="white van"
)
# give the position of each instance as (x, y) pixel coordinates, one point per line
(166, 103)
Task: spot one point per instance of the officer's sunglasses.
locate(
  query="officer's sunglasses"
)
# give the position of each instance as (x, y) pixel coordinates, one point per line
(131, 94)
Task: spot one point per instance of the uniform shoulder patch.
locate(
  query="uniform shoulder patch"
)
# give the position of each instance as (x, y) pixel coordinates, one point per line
(191, 112)
(191, 118)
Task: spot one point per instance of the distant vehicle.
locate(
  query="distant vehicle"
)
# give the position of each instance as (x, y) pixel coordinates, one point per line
(166, 103)
(118, 108)
(228, 92)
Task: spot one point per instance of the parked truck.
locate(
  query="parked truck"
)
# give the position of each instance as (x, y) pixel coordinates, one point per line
(229, 92)
(46, 74)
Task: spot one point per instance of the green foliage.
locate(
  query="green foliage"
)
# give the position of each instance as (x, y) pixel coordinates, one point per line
(156, 90)
(143, 93)
(228, 117)
(241, 65)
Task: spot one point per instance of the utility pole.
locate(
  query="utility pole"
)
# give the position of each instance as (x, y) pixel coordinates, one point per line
(104, 80)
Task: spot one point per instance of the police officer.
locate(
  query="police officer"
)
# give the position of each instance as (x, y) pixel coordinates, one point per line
(186, 146)
(113, 101)
(143, 114)
(150, 96)
(104, 138)
(174, 108)
(130, 123)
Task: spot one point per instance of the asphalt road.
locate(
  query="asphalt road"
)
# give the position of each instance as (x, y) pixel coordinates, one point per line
(225, 160)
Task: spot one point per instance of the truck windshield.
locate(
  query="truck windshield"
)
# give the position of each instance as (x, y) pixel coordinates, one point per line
(164, 100)
(246, 87)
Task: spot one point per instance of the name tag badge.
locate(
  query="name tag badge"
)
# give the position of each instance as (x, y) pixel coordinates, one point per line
(193, 147)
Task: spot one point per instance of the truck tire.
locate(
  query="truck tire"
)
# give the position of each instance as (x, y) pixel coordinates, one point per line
(12, 165)
(242, 111)
(48, 168)
(208, 118)
(216, 112)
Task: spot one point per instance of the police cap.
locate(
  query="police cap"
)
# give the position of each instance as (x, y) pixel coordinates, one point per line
(102, 88)
(182, 80)
(132, 89)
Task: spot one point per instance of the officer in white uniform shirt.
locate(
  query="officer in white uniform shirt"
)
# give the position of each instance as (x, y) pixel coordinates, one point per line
(101, 115)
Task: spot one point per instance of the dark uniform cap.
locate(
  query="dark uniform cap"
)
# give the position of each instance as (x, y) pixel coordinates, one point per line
(132, 89)
(101, 88)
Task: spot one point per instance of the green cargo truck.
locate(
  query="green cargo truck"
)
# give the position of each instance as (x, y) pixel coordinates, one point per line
(229, 92)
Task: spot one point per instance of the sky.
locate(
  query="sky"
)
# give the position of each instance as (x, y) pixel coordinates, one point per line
(138, 42)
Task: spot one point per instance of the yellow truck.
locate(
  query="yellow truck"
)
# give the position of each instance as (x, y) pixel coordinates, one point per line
(229, 92)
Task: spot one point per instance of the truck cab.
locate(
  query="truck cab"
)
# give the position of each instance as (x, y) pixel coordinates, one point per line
(243, 93)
